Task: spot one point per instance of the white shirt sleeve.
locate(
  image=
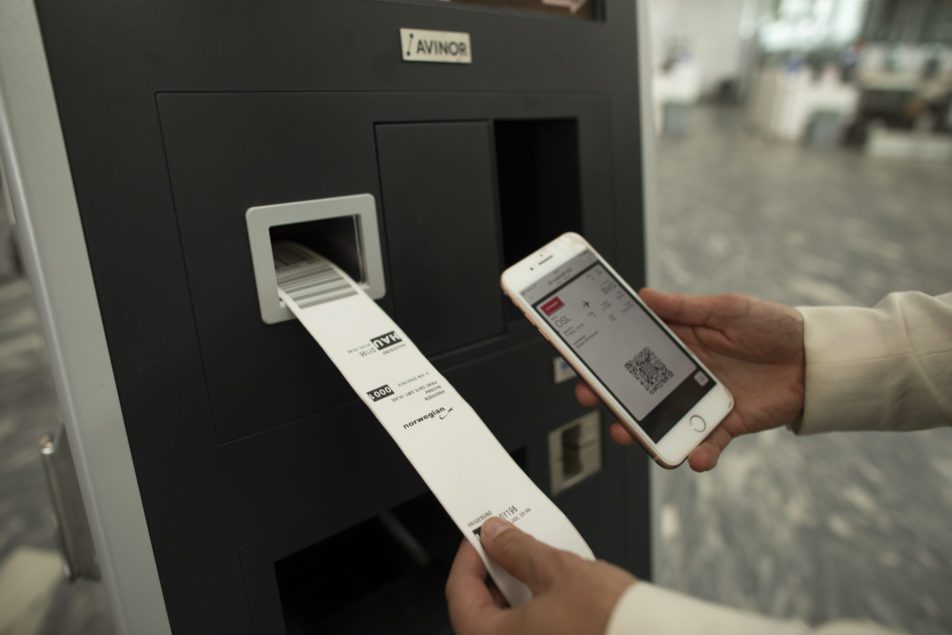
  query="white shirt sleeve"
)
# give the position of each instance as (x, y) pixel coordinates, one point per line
(645, 609)
(885, 368)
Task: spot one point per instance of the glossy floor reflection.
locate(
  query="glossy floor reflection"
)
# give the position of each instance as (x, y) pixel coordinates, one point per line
(834, 526)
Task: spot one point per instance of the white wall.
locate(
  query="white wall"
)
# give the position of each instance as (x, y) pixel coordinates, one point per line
(711, 28)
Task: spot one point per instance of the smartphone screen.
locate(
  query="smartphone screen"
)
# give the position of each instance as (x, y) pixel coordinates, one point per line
(646, 370)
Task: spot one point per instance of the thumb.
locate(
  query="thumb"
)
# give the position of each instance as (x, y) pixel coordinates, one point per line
(529, 560)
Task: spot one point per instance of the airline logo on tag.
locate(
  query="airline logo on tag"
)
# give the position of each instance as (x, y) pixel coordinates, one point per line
(383, 344)
(440, 412)
(552, 306)
(386, 340)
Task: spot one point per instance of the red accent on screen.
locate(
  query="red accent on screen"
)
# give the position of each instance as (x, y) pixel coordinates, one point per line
(552, 306)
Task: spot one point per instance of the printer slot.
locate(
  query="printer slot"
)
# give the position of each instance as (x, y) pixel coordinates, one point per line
(383, 575)
(337, 239)
(342, 229)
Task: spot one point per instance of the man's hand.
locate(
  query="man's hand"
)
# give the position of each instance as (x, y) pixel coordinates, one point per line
(571, 596)
(755, 347)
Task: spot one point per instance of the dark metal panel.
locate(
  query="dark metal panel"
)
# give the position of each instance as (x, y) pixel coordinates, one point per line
(440, 204)
(227, 153)
(230, 151)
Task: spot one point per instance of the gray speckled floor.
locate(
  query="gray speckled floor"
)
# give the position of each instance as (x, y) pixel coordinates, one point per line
(34, 597)
(825, 527)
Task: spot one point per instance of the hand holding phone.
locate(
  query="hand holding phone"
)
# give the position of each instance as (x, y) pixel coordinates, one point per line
(754, 345)
(664, 396)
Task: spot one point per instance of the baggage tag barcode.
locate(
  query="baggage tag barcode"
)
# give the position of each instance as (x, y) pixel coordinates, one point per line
(308, 278)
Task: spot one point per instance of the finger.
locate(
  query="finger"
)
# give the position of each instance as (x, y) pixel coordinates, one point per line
(620, 434)
(691, 310)
(703, 458)
(535, 563)
(667, 306)
(471, 606)
(498, 599)
(706, 455)
(586, 396)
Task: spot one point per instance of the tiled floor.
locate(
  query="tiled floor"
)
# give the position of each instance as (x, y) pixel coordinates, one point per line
(34, 597)
(835, 526)
(818, 528)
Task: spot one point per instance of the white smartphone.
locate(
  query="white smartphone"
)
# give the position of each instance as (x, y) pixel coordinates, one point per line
(648, 378)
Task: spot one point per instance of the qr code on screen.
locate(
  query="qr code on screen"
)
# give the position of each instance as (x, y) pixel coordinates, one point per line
(649, 370)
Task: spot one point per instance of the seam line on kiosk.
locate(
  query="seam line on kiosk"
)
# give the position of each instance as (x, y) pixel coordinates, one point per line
(213, 437)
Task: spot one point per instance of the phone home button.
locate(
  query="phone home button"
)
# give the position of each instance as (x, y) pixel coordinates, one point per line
(698, 424)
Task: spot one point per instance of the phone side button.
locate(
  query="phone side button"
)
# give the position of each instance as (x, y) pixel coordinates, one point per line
(698, 424)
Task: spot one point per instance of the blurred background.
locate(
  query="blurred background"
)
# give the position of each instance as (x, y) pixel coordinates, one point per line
(803, 153)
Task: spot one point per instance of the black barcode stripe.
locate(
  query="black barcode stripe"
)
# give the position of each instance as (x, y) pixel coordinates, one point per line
(311, 281)
(287, 258)
(297, 273)
(321, 299)
(294, 249)
(306, 278)
(310, 293)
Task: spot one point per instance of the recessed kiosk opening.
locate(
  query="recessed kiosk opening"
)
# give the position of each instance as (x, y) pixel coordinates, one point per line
(384, 575)
(540, 193)
(539, 180)
(342, 229)
(337, 239)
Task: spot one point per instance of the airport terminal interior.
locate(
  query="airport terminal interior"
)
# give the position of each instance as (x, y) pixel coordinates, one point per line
(795, 150)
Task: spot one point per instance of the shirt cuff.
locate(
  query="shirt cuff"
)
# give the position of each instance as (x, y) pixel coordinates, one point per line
(885, 368)
(645, 608)
(843, 346)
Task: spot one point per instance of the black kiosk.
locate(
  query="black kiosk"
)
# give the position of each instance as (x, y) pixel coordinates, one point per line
(221, 455)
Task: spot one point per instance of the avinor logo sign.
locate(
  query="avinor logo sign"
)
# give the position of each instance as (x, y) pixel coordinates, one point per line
(447, 47)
